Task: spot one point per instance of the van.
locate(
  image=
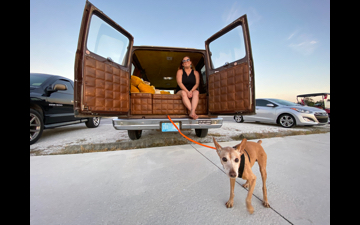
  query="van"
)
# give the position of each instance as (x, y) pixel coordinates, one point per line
(106, 61)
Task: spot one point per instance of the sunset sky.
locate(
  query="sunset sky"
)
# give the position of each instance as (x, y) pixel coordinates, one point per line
(290, 39)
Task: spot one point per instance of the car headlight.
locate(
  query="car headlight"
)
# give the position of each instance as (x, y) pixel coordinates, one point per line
(301, 110)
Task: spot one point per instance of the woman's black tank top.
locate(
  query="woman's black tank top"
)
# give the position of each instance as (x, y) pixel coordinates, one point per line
(188, 81)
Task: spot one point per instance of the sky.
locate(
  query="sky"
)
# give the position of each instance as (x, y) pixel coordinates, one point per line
(290, 39)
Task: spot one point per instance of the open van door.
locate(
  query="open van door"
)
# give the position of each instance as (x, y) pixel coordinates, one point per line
(230, 69)
(102, 66)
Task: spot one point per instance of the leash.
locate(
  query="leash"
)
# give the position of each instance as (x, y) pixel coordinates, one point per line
(188, 137)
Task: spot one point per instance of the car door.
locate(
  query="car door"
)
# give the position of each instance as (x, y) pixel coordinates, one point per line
(102, 66)
(229, 63)
(60, 104)
(264, 113)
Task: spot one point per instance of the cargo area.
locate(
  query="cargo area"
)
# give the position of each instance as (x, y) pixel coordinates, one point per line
(153, 82)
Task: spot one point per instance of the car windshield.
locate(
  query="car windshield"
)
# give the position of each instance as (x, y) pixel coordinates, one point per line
(284, 102)
(37, 79)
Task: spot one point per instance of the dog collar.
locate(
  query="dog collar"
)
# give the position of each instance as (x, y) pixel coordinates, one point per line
(242, 164)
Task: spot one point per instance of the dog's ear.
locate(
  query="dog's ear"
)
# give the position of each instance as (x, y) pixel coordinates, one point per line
(240, 147)
(218, 147)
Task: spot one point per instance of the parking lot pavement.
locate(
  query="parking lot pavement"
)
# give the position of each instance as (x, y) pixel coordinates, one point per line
(181, 185)
(78, 136)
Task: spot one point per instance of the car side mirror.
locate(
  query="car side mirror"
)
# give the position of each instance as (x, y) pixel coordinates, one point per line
(55, 88)
(270, 105)
(59, 87)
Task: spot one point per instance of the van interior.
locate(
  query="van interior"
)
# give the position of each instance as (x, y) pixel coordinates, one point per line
(159, 67)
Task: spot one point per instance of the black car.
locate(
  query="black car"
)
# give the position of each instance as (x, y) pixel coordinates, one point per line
(51, 104)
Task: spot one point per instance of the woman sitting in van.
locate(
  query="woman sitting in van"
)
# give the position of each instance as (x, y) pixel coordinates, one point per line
(188, 82)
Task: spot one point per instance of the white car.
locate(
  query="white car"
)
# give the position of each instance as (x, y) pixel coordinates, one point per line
(285, 113)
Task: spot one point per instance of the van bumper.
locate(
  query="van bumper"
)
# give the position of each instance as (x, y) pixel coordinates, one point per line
(153, 124)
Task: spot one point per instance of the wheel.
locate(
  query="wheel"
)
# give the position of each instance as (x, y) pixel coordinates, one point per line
(134, 134)
(239, 118)
(286, 120)
(36, 126)
(93, 122)
(201, 132)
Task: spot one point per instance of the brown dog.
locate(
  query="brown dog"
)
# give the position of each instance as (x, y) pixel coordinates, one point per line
(231, 158)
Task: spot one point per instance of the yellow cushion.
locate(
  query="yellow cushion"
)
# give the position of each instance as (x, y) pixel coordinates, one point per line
(136, 81)
(146, 88)
(134, 89)
(165, 92)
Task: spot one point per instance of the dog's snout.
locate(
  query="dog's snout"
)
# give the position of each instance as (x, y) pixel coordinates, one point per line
(232, 174)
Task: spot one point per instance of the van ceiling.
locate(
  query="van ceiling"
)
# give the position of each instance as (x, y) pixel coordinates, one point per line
(160, 64)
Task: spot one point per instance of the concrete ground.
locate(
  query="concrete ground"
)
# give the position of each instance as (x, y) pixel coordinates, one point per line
(182, 184)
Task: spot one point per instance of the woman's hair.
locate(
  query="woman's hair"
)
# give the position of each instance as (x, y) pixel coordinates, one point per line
(181, 66)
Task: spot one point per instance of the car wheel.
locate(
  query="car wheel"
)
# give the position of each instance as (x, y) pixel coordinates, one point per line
(201, 132)
(239, 118)
(36, 126)
(93, 122)
(134, 134)
(286, 120)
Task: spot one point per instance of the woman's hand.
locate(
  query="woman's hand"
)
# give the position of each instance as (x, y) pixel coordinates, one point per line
(190, 94)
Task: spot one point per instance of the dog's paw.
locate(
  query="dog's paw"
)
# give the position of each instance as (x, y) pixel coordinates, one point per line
(250, 209)
(246, 185)
(266, 204)
(229, 204)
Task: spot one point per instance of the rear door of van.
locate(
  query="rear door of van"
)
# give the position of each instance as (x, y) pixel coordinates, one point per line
(230, 70)
(102, 66)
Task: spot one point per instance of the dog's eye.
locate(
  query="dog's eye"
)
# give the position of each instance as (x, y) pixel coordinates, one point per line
(236, 160)
(224, 159)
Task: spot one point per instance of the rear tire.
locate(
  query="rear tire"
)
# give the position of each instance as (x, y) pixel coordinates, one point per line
(93, 122)
(201, 132)
(134, 134)
(239, 118)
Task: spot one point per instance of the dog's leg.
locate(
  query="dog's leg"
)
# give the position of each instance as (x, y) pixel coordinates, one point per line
(264, 176)
(262, 166)
(249, 206)
(230, 203)
(246, 185)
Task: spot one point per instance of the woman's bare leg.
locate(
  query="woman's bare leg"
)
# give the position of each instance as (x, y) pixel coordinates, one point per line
(190, 104)
(185, 99)
(194, 103)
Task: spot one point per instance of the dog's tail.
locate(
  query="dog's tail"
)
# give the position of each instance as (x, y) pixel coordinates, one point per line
(259, 142)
